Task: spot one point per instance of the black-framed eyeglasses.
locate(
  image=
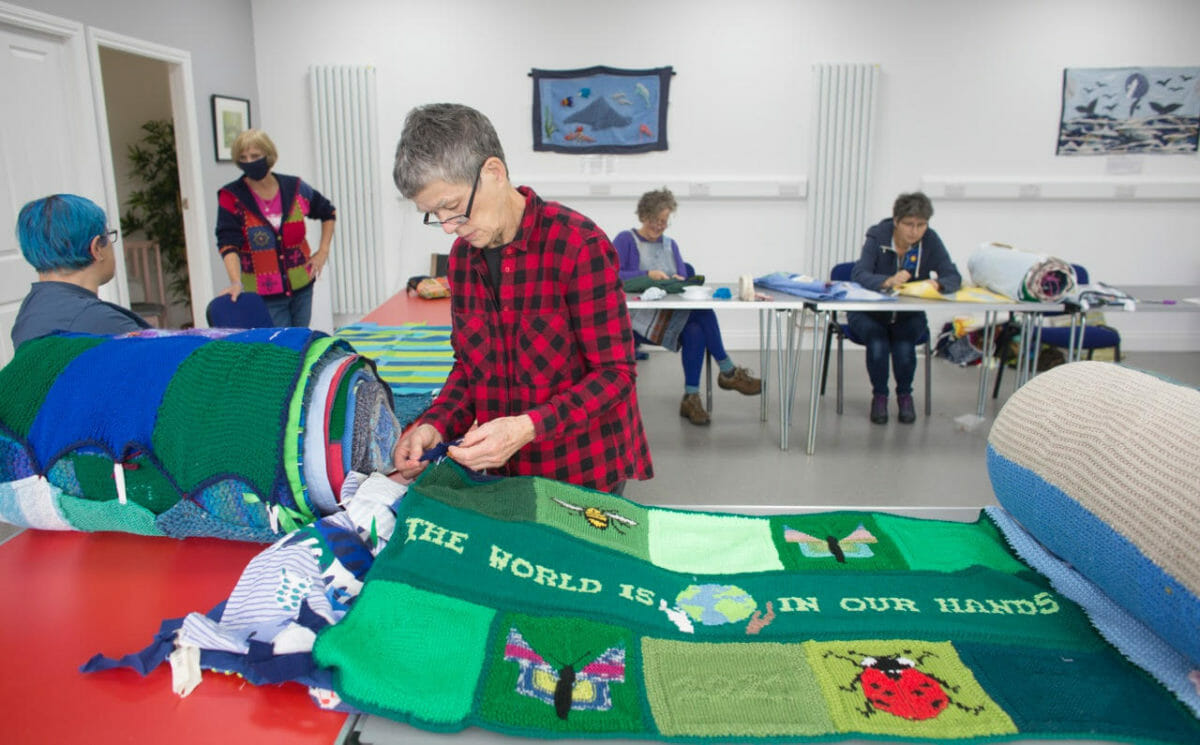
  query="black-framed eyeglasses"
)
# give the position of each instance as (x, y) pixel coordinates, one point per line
(112, 236)
(457, 219)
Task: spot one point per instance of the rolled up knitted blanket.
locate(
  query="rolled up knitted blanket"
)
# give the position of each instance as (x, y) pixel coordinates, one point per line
(1101, 464)
(1020, 275)
(206, 433)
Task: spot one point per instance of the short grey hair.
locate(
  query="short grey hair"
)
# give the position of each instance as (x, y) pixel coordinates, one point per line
(912, 205)
(654, 202)
(445, 141)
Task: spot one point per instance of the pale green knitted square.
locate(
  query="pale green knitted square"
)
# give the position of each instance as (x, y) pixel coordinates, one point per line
(434, 644)
(732, 690)
(699, 543)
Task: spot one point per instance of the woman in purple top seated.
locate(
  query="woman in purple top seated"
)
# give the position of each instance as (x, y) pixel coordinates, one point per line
(67, 240)
(647, 252)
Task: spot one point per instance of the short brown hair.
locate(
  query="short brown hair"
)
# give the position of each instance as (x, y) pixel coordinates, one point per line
(654, 202)
(255, 138)
(912, 205)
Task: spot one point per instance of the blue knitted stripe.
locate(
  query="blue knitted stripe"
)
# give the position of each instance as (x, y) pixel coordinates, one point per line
(109, 396)
(1100, 553)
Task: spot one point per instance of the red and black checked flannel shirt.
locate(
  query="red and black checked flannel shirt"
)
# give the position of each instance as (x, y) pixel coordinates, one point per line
(558, 347)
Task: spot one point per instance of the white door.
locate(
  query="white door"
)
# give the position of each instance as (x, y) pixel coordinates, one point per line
(48, 141)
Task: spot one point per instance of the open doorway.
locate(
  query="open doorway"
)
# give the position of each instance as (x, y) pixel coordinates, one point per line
(128, 79)
(141, 138)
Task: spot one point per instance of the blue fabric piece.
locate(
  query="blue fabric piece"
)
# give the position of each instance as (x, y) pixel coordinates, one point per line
(359, 376)
(109, 395)
(186, 519)
(1101, 554)
(410, 407)
(293, 338)
(15, 462)
(436, 453)
(1123, 631)
(816, 290)
(722, 293)
(152, 656)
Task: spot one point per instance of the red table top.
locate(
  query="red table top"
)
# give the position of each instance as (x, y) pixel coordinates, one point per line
(404, 308)
(67, 596)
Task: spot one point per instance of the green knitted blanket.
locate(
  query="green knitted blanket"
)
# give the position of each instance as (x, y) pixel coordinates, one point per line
(535, 608)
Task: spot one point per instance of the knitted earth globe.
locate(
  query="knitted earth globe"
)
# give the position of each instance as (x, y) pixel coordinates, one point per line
(714, 605)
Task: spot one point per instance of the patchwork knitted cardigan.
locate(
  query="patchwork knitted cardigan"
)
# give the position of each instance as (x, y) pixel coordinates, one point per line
(273, 261)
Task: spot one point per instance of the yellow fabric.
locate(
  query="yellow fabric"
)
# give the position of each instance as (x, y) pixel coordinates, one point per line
(926, 289)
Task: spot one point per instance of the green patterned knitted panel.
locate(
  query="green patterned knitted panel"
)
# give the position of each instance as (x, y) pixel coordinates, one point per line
(225, 412)
(32, 373)
(145, 484)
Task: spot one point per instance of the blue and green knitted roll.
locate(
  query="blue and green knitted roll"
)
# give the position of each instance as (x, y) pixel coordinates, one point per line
(197, 433)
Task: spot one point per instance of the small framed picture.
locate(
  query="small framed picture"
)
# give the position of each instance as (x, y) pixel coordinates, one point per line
(231, 116)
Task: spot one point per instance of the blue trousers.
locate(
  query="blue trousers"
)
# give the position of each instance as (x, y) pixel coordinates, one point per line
(700, 333)
(291, 310)
(887, 339)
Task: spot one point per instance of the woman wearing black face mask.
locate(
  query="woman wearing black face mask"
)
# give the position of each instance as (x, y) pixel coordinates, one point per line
(261, 232)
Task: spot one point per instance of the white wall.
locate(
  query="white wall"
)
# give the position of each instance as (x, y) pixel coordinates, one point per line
(970, 91)
(217, 34)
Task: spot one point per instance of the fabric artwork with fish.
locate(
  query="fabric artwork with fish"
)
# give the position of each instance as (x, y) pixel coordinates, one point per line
(600, 110)
(1116, 110)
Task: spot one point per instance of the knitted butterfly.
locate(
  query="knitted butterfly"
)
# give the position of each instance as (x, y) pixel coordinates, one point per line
(853, 546)
(565, 687)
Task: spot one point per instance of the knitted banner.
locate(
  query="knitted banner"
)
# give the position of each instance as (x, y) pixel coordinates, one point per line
(541, 609)
(186, 433)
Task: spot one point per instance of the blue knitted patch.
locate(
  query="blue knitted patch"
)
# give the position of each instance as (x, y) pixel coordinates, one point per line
(1100, 553)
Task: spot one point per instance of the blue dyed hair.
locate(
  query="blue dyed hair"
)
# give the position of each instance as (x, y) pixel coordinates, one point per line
(56, 232)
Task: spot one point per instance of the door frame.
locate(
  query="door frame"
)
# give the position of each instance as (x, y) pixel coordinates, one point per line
(187, 153)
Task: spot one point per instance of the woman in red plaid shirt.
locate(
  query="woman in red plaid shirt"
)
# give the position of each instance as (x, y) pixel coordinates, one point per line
(543, 348)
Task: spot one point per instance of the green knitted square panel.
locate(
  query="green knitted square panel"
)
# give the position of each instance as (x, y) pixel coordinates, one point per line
(534, 658)
(594, 516)
(1046, 691)
(904, 688)
(145, 484)
(225, 411)
(511, 500)
(732, 690)
(32, 373)
(434, 643)
(711, 544)
(841, 541)
(949, 546)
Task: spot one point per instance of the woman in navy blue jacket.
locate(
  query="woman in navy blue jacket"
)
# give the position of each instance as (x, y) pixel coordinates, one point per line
(899, 249)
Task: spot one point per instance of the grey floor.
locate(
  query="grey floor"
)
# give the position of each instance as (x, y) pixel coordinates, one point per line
(737, 461)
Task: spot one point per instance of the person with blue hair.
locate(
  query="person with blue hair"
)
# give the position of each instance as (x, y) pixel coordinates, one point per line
(67, 240)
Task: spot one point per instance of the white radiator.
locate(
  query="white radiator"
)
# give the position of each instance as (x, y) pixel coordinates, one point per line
(344, 120)
(843, 124)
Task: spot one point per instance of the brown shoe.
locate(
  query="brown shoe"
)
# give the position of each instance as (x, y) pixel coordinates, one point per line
(693, 409)
(740, 380)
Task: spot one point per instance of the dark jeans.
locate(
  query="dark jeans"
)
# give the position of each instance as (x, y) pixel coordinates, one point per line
(291, 310)
(884, 339)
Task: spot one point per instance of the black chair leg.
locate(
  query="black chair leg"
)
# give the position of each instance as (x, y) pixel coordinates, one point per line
(928, 378)
(1004, 338)
(825, 367)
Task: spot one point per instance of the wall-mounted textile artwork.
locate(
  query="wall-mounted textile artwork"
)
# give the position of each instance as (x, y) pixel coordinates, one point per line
(600, 110)
(1129, 110)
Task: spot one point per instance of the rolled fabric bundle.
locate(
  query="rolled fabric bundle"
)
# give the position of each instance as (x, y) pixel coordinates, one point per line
(1021, 275)
(1100, 464)
(185, 434)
